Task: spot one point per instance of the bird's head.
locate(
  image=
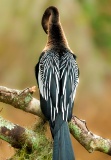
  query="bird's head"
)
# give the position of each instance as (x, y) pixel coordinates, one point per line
(50, 16)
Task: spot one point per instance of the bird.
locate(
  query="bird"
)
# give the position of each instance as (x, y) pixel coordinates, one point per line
(57, 76)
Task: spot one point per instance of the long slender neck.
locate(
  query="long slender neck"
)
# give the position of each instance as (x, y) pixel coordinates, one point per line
(52, 27)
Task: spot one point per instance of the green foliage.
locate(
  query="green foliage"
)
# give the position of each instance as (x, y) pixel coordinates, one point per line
(99, 15)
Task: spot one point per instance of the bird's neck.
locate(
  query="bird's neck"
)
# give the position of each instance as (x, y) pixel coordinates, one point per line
(56, 36)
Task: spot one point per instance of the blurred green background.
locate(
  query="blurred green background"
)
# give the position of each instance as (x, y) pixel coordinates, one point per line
(87, 25)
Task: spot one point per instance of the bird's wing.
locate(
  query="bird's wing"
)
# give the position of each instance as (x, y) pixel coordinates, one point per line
(48, 79)
(69, 75)
(37, 68)
(37, 71)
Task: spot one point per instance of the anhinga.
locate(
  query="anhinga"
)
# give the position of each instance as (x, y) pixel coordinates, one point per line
(57, 76)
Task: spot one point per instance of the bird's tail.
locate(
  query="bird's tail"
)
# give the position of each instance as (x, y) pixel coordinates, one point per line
(62, 147)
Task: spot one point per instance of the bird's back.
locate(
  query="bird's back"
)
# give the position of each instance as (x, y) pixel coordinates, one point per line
(58, 79)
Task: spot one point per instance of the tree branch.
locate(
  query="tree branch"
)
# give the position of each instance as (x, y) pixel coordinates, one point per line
(90, 141)
(30, 143)
(24, 100)
(16, 135)
(21, 99)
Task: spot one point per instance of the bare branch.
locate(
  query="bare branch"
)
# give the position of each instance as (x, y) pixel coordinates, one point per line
(24, 100)
(21, 99)
(90, 141)
(16, 135)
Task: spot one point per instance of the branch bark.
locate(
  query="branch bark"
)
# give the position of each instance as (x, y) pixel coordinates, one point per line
(21, 99)
(16, 135)
(90, 141)
(24, 100)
